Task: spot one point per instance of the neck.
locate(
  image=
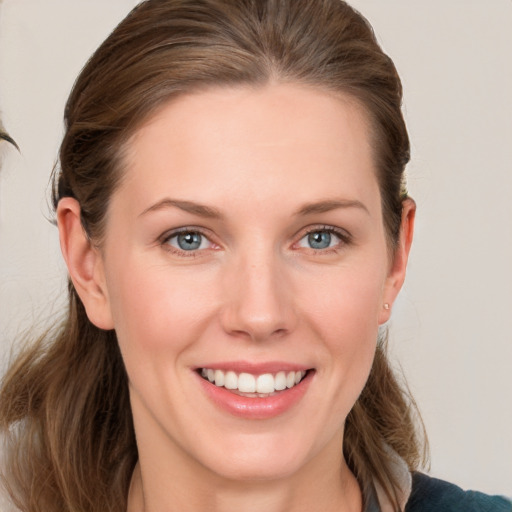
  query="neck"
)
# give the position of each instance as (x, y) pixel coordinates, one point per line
(314, 488)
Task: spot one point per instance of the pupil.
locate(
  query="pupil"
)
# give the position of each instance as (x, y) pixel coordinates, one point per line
(319, 239)
(189, 241)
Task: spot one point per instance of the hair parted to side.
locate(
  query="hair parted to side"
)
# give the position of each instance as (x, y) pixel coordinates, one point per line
(64, 405)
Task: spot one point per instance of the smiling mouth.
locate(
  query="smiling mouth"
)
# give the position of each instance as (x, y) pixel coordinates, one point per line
(252, 386)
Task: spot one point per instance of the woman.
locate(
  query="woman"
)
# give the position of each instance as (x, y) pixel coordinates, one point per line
(232, 211)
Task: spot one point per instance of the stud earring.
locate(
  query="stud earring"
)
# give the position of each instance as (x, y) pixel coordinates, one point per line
(386, 306)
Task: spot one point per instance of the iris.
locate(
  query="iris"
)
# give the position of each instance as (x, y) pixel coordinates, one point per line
(189, 241)
(319, 239)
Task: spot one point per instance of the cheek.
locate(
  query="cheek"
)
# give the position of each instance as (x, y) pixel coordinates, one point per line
(347, 300)
(344, 315)
(154, 310)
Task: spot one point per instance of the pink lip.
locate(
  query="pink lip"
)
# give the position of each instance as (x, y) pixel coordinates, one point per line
(255, 368)
(255, 408)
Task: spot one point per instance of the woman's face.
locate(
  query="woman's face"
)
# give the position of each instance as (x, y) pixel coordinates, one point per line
(246, 244)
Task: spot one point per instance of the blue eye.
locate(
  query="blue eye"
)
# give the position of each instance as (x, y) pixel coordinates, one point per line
(321, 239)
(188, 241)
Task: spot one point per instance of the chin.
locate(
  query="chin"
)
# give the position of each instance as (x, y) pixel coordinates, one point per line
(257, 470)
(258, 459)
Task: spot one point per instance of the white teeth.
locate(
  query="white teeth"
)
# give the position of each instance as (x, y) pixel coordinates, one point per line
(231, 380)
(280, 381)
(219, 378)
(246, 383)
(263, 385)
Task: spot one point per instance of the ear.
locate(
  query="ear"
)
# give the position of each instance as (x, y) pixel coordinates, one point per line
(398, 267)
(85, 264)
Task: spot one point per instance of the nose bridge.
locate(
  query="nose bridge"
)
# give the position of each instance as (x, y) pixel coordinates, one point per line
(259, 304)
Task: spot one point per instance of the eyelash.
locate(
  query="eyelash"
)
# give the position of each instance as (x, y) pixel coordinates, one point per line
(165, 239)
(344, 237)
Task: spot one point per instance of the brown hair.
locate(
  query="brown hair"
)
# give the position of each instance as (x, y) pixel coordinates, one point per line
(64, 402)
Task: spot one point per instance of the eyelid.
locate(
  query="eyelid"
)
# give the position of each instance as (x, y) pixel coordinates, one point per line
(168, 235)
(342, 234)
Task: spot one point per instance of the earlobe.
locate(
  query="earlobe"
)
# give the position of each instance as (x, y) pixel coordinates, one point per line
(398, 267)
(85, 264)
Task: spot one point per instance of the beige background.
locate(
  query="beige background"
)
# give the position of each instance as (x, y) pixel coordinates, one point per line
(452, 328)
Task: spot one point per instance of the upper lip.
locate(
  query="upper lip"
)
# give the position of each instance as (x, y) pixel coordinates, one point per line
(255, 368)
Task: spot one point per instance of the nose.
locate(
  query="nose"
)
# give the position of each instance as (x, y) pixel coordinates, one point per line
(259, 303)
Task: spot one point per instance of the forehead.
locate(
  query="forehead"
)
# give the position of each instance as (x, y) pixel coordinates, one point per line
(253, 142)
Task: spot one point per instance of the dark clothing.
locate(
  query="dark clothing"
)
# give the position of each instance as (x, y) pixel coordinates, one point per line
(433, 495)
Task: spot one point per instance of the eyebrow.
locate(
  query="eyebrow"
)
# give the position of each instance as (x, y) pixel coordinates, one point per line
(213, 213)
(187, 206)
(329, 205)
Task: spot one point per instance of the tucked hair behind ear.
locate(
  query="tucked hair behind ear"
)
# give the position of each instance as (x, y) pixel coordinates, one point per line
(64, 406)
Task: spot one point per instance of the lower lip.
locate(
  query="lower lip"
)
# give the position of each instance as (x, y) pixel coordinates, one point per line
(256, 408)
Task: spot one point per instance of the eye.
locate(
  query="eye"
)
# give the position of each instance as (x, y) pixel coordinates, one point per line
(188, 241)
(321, 239)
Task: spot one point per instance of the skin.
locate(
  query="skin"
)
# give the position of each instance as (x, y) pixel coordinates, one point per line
(255, 291)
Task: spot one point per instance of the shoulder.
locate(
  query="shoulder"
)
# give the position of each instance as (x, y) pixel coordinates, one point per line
(433, 495)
